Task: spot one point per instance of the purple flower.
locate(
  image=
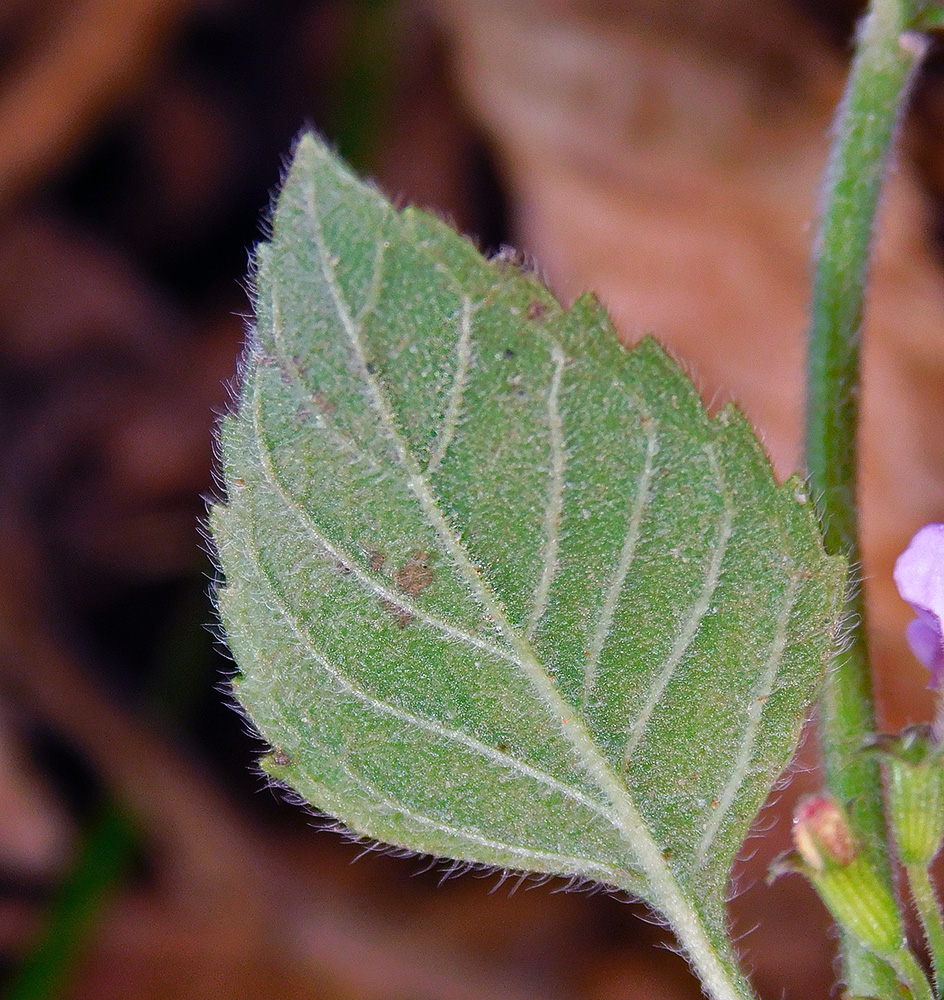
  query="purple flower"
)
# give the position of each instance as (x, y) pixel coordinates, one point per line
(919, 576)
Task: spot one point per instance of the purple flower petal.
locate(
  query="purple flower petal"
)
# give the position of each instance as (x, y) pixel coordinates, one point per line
(926, 644)
(919, 576)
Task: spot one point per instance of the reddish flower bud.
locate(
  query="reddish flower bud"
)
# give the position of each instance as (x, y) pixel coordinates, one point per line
(821, 833)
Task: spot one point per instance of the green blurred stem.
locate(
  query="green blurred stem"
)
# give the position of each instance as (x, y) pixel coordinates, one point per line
(102, 860)
(109, 841)
(363, 86)
(867, 121)
(926, 903)
(911, 975)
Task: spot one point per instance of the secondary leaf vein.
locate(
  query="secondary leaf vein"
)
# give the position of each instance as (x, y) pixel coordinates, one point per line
(291, 372)
(561, 861)
(755, 712)
(453, 411)
(626, 556)
(695, 615)
(555, 498)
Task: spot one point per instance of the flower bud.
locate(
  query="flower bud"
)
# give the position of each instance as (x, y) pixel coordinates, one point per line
(828, 854)
(821, 833)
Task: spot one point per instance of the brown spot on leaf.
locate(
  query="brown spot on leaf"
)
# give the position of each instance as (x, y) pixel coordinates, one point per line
(537, 310)
(280, 757)
(323, 404)
(341, 567)
(400, 615)
(416, 574)
(375, 560)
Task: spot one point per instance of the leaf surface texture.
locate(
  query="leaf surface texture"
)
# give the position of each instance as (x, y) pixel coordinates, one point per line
(498, 588)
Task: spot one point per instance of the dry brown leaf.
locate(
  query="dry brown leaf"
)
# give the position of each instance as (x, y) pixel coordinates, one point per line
(35, 832)
(89, 57)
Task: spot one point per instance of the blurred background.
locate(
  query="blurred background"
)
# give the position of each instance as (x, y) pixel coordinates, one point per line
(664, 155)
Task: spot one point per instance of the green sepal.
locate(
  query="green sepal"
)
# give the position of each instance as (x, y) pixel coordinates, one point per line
(915, 792)
(859, 901)
(856, 898)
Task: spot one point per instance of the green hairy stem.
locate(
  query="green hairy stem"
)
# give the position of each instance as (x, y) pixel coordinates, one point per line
(868, 118)
(926, 903)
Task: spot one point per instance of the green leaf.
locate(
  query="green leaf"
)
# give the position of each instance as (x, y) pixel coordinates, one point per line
(929, 17)
(499, 590)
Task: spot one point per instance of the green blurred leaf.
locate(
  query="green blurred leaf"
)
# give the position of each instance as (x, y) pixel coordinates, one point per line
(498, 588)
(930, 17)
